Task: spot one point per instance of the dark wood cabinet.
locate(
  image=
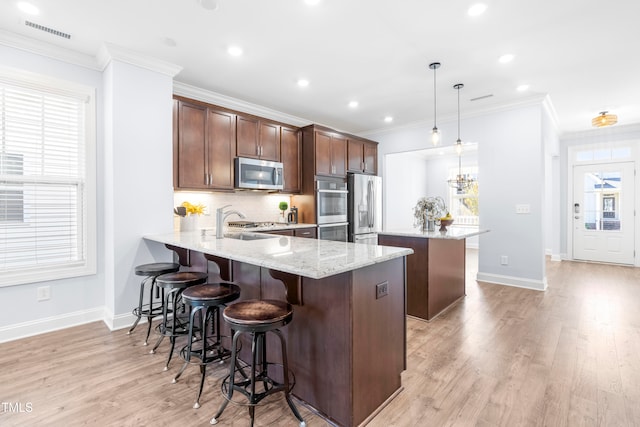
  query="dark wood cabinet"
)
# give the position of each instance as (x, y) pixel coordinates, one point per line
(362, 156)
(290, 156)
(204, 140)
(287, 232)
(330, 154)
(257, 139)
(307, 232)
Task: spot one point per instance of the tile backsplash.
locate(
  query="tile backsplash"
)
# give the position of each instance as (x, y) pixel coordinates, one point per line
(257, 206)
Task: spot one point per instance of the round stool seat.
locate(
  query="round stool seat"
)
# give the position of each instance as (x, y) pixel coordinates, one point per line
(157, 268)
(258, 315)
(211, 294)
(181, 279)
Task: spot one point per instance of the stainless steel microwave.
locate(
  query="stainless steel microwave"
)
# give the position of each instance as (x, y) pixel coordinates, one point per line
(257, 174)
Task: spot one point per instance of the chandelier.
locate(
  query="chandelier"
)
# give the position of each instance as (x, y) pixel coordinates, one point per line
(462, 182)
(604, 119)
(435, 133)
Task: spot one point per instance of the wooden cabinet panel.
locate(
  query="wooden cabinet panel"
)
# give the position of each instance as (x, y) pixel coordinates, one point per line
(269, 141)
(309, 232)
(362, 156)
(339, 155)
(323, 153)
(221, 136)
(370, 150)
(290, 155)
(190, 148)
(247, 132)
(280, 232)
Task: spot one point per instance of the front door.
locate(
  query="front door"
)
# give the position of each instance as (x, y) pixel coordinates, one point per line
(603, 212)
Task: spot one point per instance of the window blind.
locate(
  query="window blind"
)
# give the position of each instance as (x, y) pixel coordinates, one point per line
(42, 178)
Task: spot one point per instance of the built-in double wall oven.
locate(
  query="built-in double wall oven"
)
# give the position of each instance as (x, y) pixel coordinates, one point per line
(332, 204)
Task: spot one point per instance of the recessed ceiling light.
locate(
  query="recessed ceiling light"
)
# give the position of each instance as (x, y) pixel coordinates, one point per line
(312, 2)
(303, 82)
(208, 4)
(388, 119)
(522, 88)
(234, 50)
(506, 58)
(28, 8)
(477, 9)
(353, 104)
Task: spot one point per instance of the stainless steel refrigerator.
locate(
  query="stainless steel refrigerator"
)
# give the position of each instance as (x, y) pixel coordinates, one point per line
(364, 208)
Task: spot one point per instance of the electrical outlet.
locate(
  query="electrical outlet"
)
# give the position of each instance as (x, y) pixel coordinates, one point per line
(382, 289)
(43, 293)
(504, 260)
(523, 209)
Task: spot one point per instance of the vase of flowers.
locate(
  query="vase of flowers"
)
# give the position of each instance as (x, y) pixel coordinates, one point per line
(427, 210)
(189, 222)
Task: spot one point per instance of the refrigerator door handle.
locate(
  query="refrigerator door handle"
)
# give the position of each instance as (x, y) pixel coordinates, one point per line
(370, 201)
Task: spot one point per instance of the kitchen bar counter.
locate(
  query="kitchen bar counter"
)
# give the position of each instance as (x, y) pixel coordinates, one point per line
(311, 258)
(436, 270)
(347, 340)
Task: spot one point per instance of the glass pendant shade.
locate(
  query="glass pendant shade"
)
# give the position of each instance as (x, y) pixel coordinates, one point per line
(435, 136)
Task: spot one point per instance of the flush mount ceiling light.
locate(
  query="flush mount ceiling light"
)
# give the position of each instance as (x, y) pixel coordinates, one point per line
(303, 82)
(604, 119)
(462, 182)
(435, 133)
(28, 8)
(388, 119)
(353, 104)
(234, 50)
(477, 9)
(505, 58)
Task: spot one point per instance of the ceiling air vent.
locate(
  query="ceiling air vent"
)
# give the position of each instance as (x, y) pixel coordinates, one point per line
(47, 29)
(481, 97)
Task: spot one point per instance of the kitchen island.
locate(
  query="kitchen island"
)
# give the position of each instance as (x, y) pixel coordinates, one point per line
(347, 341)
(436, 270)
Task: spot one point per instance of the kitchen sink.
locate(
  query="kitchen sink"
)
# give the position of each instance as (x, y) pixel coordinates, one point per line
(251, 236)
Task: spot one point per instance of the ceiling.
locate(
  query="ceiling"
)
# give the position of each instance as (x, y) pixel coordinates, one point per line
(581, 53)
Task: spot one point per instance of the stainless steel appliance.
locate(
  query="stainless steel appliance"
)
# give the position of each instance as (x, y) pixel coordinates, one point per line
(292, 217)
(365, 208)
(257, 174)
(331, 199)
(338, 231)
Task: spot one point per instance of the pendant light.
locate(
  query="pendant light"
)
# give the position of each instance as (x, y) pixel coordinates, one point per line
(604, 119)
(462, 182)
(435, 133)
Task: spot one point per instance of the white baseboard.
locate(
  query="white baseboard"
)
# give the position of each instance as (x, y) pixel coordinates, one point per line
(518, 282)
(120, 321)
(49, 324)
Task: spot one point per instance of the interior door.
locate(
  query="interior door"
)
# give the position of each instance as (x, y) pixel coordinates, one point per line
(603, 212)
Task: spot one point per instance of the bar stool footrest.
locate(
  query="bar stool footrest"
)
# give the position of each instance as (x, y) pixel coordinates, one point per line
(241, 386)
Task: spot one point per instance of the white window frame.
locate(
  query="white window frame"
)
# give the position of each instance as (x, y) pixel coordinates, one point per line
(86, 266)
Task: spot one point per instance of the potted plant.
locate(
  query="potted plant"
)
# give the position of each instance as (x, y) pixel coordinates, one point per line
(283, 206)
(427, 210)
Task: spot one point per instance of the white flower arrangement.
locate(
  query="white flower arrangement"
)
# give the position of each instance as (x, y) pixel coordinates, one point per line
(428, 209)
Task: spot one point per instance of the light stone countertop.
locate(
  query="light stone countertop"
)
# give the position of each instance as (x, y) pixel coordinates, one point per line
(311, 258)
(452, 233)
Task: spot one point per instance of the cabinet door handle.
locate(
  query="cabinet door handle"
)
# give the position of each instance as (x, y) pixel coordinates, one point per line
(206, 179)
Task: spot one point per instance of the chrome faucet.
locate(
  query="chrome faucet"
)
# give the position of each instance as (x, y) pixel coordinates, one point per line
(221, 215)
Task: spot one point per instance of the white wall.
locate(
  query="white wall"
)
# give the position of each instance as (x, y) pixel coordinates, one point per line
(75, 300)
(406, 181)
(511, 167)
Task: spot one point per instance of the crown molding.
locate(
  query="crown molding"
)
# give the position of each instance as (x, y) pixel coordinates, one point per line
(210, 97)
(109, 52)
(49, 50)
(631, 131)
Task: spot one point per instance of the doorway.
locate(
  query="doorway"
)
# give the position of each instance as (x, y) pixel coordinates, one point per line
(603, 212)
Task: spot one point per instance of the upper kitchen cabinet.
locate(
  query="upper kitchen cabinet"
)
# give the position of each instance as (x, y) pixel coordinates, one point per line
(203, 147)
(257, 139)
(362, 156)
(291, 157)
(325, 150)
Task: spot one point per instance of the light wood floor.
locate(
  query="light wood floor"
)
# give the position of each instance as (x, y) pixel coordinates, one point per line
(503, 356)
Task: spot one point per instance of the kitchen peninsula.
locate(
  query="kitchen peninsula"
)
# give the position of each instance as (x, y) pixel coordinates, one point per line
(436, 271)
(347, 341)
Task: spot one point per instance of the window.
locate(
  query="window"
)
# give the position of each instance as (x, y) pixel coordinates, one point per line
(47, 196)
(464, 207)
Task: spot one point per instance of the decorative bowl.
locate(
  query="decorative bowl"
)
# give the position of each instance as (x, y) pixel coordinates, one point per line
(444, 223)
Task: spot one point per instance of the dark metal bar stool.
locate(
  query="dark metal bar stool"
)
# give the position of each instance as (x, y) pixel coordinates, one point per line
(257, 317)
(206, 300)
(174, 284)
(154, 307)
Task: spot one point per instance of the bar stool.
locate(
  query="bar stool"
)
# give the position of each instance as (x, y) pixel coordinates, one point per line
(206, 300)
(174, 284)
(150, 310)
(257, 317)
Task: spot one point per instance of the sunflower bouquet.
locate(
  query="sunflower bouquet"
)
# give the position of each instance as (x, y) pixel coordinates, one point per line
(193, 209)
